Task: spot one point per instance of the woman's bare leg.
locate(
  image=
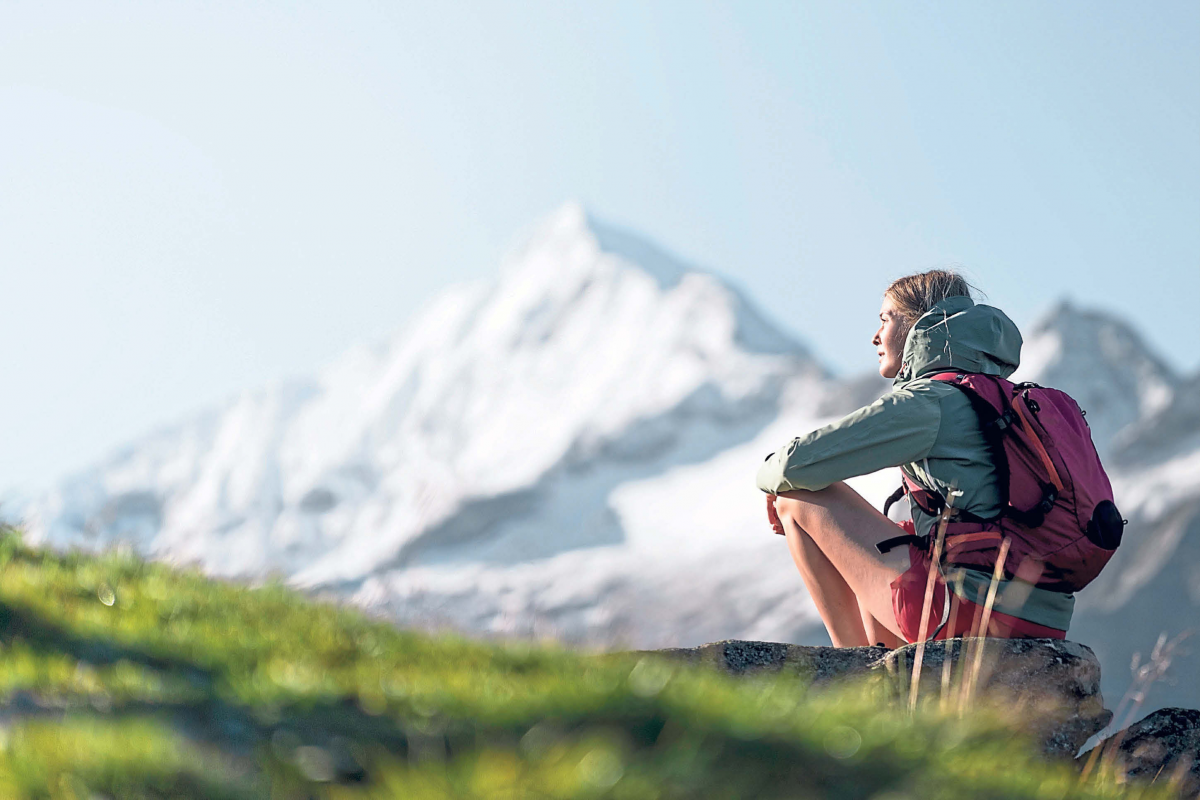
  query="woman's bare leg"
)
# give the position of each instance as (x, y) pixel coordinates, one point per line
(832, 534)
(828, 590)
(877, 633)
(833, 597)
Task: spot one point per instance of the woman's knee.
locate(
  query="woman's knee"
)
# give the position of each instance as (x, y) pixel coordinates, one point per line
(789, 508)
(806, 507)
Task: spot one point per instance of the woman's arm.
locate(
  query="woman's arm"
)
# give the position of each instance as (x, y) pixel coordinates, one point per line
(898, 428)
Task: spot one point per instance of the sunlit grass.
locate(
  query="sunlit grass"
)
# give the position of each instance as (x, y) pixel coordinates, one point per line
(129, 679)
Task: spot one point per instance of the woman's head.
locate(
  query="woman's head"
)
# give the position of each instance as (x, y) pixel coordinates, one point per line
(905, 300)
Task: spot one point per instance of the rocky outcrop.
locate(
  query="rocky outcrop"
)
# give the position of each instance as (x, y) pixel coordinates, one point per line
(1164, 748)
(820, 665)
(1049, 688)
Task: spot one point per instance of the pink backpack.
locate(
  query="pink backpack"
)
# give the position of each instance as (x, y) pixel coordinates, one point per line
(1057, 499)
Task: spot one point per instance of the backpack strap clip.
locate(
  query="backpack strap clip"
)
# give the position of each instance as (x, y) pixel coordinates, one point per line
(1005, 420)
(1036, 515)
(888, 545)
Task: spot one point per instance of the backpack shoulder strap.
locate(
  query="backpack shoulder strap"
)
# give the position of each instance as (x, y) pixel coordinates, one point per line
(991, 397)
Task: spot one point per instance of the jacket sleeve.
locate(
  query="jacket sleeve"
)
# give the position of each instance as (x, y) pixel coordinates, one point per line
(896, 429)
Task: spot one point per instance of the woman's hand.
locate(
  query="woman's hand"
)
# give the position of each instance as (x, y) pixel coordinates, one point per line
(772, 516)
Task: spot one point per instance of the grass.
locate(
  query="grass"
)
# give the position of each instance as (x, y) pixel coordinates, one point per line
(127, 679)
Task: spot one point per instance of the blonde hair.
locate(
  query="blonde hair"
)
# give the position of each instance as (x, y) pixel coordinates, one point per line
(913, 295)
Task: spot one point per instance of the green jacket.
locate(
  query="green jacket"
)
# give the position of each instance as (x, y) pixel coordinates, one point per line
(925, 427)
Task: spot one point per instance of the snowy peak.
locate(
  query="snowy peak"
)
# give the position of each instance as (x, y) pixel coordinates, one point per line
(588, 330)
(1102, 362)
(593, 347)
(572, 260)
(569, 245)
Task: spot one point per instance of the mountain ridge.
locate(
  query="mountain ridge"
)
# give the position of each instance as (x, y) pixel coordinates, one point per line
(466, 360)
(1101, 361)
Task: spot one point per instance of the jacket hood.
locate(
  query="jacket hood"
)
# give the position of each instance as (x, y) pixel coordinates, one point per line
(956, 334)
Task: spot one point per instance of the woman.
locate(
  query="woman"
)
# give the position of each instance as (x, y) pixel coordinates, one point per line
(928, 325)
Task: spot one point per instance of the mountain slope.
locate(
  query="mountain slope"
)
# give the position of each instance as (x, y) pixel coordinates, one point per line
(486, 407)
(1102, 362)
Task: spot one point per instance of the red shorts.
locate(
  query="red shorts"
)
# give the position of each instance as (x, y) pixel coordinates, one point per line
(908, 597)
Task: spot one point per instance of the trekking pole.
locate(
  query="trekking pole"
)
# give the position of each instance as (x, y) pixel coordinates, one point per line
(926, 605)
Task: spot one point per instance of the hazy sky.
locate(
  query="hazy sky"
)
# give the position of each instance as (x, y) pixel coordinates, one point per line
(198, 198)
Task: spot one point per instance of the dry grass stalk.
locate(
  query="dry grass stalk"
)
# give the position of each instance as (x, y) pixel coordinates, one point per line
(926, 605)
(947, 663)
(1175, 782)
(1144, 676)
(977, 644)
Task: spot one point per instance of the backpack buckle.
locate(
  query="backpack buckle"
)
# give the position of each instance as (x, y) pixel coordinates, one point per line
(1005, 420)
(888, 545)
(1049, 496)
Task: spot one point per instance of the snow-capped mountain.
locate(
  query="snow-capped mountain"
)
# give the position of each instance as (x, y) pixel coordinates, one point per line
(594, 359)
(568, 450)
(1102, 362)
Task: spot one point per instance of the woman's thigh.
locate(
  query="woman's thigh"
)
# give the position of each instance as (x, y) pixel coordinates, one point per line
(846, 528)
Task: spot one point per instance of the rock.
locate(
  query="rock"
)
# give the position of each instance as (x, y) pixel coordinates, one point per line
(820, 664)
(1164, 747)
(1050, 687)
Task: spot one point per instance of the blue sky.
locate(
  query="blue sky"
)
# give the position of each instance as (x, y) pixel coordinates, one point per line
(198, 198)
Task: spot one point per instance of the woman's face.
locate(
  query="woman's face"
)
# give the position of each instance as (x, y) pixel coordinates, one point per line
(889, 339)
